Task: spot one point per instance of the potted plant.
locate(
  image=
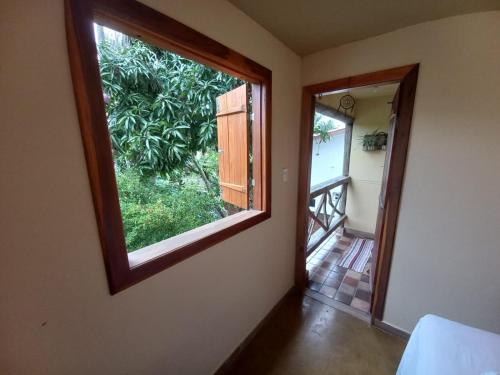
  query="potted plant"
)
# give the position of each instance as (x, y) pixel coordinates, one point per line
(374, 141)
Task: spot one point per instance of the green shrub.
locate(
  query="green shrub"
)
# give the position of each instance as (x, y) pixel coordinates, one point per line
(154, 209)
(161, 119)
(161, 107)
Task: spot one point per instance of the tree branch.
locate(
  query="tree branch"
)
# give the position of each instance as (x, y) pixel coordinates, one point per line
(208, 184)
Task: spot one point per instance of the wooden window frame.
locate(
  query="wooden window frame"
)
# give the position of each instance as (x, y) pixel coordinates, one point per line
(144, 23)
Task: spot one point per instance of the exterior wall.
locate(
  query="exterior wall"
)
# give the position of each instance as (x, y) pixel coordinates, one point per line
(366, 167)
(328, 159)
(56, 314)
(446, 251)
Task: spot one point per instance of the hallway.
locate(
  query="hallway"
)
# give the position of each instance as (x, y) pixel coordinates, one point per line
(305, 336)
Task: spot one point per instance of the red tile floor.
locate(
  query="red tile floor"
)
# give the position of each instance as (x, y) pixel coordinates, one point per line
(339, 284)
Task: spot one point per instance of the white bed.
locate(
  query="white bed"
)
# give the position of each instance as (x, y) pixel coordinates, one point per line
(441, 346)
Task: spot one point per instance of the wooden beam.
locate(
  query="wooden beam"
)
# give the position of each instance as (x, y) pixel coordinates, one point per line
(328, 185)
(327, 234)
(142, 22)
(239, 188)
(306, 137)
(347, 162)
(347, 147)
(391, 75)
(329, 111)
(256, 136)
(317, 220)
(230, 111)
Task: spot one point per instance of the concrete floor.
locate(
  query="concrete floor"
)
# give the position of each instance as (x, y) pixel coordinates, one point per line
(308, 337)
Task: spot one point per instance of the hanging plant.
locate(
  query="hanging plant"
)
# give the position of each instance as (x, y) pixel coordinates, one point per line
(374, 141)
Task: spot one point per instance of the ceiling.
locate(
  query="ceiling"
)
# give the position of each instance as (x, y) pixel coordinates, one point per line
(359, 93)
(367, 92)
(311, 26)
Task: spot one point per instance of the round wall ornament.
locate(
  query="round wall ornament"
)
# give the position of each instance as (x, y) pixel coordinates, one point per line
(347, 103)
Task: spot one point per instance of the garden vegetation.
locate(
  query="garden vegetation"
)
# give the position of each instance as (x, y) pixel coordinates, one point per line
(161, 119)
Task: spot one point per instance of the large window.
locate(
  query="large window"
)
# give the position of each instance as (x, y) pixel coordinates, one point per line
(176, 132)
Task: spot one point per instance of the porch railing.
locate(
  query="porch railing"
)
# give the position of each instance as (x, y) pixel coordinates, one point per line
(326, 210)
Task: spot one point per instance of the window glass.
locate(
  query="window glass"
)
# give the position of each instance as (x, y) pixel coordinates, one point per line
(180, 138)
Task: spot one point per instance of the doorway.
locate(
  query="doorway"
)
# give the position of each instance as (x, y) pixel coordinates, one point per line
(329, 215)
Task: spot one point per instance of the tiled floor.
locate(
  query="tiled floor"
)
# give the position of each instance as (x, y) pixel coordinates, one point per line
(338, 283)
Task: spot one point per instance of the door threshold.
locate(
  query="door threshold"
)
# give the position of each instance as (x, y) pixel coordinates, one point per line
(338, 305)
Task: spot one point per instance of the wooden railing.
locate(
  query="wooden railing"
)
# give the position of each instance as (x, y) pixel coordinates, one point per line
(329, 213)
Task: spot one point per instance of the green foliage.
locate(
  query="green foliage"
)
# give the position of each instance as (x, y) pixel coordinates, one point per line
(377, 140)
(154, 209)
(161, 107)
(322, 128)
(161, 119)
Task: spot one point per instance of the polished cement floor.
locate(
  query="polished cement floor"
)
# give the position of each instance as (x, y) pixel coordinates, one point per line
(305, 336)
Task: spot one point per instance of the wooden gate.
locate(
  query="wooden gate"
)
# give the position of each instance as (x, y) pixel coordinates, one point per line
(232, 139)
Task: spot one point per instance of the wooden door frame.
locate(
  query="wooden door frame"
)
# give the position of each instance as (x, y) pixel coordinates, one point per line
(407, 77)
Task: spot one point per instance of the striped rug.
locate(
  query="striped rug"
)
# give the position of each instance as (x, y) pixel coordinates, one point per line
(358, 254)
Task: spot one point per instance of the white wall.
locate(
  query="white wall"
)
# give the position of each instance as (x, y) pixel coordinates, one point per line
(328, 159)
(447, 248)
(56, 314)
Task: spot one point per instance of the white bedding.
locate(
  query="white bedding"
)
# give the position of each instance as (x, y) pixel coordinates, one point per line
(441, 346)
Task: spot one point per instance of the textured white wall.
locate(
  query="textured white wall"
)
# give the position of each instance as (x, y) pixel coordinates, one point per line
(447, 249)
(327, 159)
(56, 314)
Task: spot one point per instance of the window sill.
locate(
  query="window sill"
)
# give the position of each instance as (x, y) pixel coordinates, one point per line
(197, 239)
